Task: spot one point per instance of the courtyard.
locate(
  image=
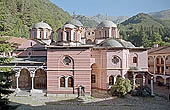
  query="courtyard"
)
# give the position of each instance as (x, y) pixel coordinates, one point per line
(89, 103)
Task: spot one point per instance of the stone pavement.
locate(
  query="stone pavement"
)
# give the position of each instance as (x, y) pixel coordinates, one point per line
(89, 103)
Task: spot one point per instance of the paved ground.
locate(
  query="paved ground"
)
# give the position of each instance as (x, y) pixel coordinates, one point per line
(53, 103)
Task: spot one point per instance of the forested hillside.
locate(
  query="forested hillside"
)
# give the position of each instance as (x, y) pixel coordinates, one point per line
(146, 30)
(164, 14)
(18, 16)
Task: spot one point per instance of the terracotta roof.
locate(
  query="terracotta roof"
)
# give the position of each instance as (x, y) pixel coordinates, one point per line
(16, 40)
(159, 50)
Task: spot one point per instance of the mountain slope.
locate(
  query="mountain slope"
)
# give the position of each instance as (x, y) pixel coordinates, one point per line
(146, 30)
(86, 21)
(18, 16)
(143, 19)
(92, 21)
(164, 15)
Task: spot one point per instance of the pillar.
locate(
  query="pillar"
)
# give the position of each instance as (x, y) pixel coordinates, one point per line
(154, 68)
(114, 80)
(17, 80)
(164, 81)
(144, 81)
(164, 58)
(32, 81)
(152, 92)
(110, 32)
(134, 79)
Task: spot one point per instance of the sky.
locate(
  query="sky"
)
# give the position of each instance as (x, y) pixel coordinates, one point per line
(112, 7)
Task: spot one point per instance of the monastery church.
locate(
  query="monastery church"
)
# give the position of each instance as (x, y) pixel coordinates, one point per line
(90, 58)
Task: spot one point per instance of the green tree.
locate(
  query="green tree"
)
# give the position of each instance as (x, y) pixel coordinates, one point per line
(5, 74)
(121, 88)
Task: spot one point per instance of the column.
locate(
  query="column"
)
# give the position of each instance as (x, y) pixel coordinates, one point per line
(164, 58)
(32, 81)
(17, 80)
(114, 80)
(152, 92)
(134, 79)
(154, 68)
(143, 79)
(110, 32)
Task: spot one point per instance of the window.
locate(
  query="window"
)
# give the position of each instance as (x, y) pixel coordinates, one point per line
(166, 58)
(62, 82)
(105, 34)
(166, 67)
(61, 36)
(66, 60)
(89, 33)
(162, 61)
(40, 34)
(115, 60)
(70, 82)
(93, 78)
(111, 80)
(92, 32)
(67, 36)
(134, 59)
(157, 60)
(46, 35)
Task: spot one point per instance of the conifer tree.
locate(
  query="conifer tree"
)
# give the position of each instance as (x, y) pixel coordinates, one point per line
(5, 73)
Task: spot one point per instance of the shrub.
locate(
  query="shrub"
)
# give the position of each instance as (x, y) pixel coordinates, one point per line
(121, 88)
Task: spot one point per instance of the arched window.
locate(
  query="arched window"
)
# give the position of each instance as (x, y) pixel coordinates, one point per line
(61, 35)
(105, 34)
(70, 82)
(134, 59)
(93, 78)
(62, 82)
(111, 80)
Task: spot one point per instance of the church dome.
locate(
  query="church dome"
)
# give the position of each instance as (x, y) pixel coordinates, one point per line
(42, 25)
(69, 26)
(107, 23)
(111, 42)
(75, 22)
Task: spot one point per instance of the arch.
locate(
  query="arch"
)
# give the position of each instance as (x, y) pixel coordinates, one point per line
(135, 59)
(168, 80)
(40, 79)
(70, 82)
(159, 79)
(62, 81)
(139, 79)
(111, 80)
(151, 64)
(167, 61)
(24, 81)
(89, 41)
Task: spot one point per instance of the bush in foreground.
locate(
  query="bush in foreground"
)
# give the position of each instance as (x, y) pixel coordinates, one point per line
(121, 88)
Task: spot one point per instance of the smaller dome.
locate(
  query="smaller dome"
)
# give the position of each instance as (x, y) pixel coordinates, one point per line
(110, 42)
(75, 22)
(69, 26)
(42, 25)
(107, 23)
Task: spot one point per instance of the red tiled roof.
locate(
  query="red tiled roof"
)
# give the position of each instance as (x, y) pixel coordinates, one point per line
(159, 50)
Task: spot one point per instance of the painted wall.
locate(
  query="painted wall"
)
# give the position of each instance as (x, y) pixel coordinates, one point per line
(79, 69)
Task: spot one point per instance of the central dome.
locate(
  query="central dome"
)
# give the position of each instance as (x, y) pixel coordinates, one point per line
(111, 42)
(75, 22)
(107, 23)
